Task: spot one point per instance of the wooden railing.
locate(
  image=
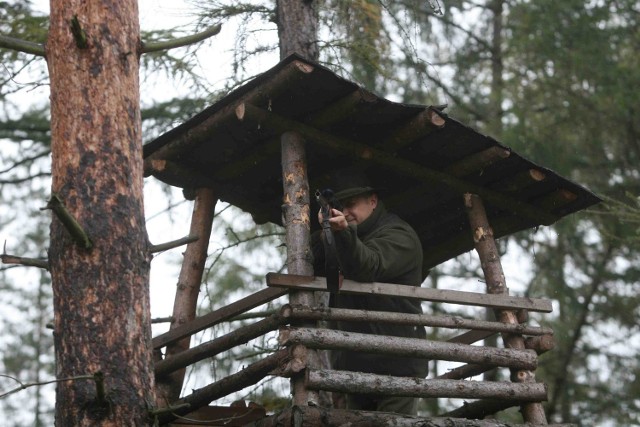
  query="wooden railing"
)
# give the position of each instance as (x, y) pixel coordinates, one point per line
(297, 342)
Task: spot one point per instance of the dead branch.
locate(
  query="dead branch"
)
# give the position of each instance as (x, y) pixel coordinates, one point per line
(182, 41)
(24, 386)
(23, 46)
(70, 223)
(27, 262)
(173, 244)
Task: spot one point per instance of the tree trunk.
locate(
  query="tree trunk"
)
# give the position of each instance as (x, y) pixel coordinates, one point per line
(100, 278)
(298, 28)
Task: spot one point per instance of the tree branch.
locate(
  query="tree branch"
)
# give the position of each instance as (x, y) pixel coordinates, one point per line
(27, 262)
(20, 45)
(173, 244)
(181, 41)
(39, 383)
(71, 224)
(37, 49)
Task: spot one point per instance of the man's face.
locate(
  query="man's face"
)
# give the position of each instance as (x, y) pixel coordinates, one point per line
(357, 209)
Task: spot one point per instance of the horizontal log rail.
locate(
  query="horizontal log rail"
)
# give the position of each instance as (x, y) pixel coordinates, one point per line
(384, 385)
(408, 347)
(450, 322)
(504, 302)
(227, 312)
(216, 346)
(234, 382)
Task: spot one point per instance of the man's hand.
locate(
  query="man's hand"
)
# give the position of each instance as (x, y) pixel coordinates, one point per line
(338, 221)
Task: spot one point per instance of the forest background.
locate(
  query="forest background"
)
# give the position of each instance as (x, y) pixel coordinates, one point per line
(555, 81)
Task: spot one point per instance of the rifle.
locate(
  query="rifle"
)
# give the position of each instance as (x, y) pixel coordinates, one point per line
(327, 200)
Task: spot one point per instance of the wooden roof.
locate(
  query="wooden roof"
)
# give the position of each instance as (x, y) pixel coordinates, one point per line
(424, 158)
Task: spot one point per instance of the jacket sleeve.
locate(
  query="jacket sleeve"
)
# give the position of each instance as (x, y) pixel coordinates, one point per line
(391, 255)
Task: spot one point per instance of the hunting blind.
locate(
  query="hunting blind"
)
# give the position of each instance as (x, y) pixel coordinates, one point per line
(265, 148)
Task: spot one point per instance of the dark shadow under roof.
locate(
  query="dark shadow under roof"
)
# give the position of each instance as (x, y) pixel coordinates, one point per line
(425, 159)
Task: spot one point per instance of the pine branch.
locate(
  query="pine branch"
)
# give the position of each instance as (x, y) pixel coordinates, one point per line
(40, 383)
(182, 41)
(172, 244)
(37, 49)
(20, 45)
(71, 224)
(28, 262)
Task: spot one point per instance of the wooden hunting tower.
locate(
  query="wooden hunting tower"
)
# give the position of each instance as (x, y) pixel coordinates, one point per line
(288, 130)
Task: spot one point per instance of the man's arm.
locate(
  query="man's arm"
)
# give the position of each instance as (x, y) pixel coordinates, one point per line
(391, 254)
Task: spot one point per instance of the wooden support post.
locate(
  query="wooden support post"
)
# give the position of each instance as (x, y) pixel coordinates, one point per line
(296, 211)
(186, 299)
(490, 260)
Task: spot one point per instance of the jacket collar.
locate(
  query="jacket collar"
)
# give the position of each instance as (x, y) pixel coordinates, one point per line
(369, 224)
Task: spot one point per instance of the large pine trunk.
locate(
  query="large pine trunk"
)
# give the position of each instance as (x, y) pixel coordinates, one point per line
(101, 292)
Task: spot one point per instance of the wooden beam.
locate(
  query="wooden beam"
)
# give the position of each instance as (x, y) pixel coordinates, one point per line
(252, 114)
(176, 174)
(339, 110)
(184, 139)
(408, 347)
(218, 345)
(427, 121)
(263, 296)
(450, 322)
(384, 385)
(250, 375)
(465, 371)
(342, 109)
(519, 181)
(221, 416)
(471, 337)
(475, 163)
(496, 285)
(317, 283)
(186, 298)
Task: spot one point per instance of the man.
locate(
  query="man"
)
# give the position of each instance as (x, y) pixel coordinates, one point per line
(374, 245)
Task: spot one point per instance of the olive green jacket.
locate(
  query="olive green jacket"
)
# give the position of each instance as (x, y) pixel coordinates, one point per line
(383, 248)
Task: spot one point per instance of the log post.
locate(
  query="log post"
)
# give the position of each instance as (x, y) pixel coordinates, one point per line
(296, 213)
(494, 275)
(188, 288)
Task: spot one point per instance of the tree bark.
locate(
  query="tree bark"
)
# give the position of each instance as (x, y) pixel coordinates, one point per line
(101, 291)
(297, 28)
